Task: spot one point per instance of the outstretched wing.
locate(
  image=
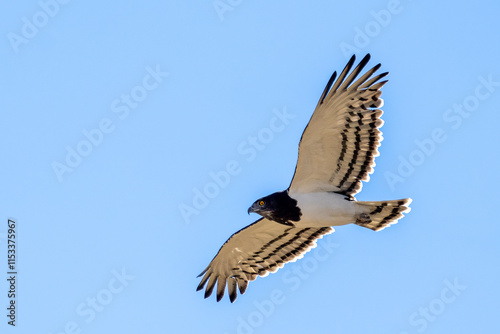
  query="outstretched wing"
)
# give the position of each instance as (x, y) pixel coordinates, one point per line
(256, 250)
(339, 145)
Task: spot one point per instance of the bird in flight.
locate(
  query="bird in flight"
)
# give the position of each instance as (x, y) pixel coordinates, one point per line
(336, 153)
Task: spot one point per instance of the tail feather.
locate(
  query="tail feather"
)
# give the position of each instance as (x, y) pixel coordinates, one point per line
(378, 215)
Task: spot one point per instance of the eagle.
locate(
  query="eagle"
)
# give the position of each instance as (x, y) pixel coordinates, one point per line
(337, 152)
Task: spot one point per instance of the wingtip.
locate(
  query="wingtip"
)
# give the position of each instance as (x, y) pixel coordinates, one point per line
(203, 272)
(327, 88)
(200, 286)
(364, 61)
(352, 60)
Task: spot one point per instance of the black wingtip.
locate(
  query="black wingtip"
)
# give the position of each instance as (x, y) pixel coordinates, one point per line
(203, 272)
(351, 61)
(242, 286)
(364, 61)
(210, 287)
(208, 293)
(327, 88)
(232, 296)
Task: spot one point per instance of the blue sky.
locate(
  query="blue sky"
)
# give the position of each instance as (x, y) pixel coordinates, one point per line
(115, 115)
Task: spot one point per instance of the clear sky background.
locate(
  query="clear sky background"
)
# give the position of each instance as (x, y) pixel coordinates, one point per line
(114, 116)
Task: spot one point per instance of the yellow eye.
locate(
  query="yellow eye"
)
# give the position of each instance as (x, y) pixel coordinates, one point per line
(261, 203)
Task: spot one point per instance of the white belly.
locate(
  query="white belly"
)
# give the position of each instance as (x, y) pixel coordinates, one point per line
(324, 209)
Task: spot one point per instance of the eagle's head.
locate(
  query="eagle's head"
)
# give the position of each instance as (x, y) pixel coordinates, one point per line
(279, 207)
(264, 206)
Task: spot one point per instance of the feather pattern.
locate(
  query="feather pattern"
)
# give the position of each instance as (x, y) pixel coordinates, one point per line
(257, 250)
(338, 147)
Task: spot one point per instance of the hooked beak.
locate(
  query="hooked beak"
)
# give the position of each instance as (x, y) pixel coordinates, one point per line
(252, 209)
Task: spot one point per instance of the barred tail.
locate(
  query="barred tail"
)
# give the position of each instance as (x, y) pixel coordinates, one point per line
(379, 215)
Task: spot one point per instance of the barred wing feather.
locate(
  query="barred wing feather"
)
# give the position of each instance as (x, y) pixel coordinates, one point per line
(339, 145)
(257, 250)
